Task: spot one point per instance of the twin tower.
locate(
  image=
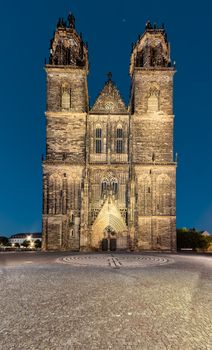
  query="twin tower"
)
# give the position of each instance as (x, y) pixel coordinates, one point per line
(109, 175)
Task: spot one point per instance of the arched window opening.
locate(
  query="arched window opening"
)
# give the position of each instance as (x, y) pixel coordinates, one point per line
(109, 186)
(104, 187)
(65, 96)
(65, 100)
(98, 140)
(119, 133)
(119, 140)
(115, 187)
(153, 100)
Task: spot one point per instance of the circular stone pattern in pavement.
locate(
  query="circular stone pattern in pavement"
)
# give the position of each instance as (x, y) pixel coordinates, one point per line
(114, 260)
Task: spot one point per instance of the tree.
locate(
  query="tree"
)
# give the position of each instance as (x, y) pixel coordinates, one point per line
(17, 245)
(205, 242)
(4, 241)
(37, 243)
(191, 238)
(26, 243)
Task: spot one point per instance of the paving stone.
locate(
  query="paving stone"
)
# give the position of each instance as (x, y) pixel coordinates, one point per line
(49, 305)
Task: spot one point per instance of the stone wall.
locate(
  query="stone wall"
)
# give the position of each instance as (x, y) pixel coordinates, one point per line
(65, 137)
(152, 138)
(152, 157)
(147, 80)
(73, 77)
(157, 233)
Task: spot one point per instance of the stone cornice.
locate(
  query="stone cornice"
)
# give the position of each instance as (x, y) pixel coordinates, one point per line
(63, 163)
(170, 70)
(152, 164)
(108, 114)
(153, 115)
(161, 216)
(57, 69)
(50, 114)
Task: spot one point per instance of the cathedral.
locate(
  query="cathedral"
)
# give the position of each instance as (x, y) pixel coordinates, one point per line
(109, 174)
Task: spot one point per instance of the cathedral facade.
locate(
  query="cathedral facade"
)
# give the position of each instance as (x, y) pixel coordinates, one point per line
(109, 174)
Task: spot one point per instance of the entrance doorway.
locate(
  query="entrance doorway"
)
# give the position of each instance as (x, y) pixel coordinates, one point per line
(109, 244)
(112, 244)
(105, 245)
(109, 241)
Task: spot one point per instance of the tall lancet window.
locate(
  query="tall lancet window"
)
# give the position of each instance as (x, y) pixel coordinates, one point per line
(153, 100)
(65, 97)
(104, 187)
(98, 140)
(114, 186)
(119, 140)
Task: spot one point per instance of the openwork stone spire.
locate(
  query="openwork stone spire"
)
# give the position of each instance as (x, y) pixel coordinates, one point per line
(152, 49)
(67, 46)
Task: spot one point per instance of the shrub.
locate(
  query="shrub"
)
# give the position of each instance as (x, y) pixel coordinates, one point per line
(37, 244)
(26, 243)
(191, 238)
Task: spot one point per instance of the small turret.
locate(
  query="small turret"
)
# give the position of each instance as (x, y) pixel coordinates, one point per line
(71, 21)
(67, 46)
(152, 49)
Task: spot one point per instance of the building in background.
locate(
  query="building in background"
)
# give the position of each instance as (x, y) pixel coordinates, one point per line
(21, 237)
(109, 174)
(205, 234)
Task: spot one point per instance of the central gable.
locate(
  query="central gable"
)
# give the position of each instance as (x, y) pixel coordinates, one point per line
(109, 101)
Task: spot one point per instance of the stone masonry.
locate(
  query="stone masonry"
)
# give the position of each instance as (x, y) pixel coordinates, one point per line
(109, 175)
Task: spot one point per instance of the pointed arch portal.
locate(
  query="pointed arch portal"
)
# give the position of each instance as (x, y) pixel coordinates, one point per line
(109, 224)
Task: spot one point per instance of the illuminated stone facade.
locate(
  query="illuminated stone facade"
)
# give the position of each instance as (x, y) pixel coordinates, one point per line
(109, 175)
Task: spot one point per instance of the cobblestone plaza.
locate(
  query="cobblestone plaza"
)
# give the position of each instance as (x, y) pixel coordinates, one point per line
(59, 301)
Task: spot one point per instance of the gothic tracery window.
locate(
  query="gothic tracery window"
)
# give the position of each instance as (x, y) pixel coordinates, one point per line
(104, 187)
(109, 186)
(119, 140)
(114, 186)
(98, 140)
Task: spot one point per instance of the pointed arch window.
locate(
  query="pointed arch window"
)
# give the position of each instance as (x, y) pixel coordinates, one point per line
(114, 186)
(98, 141)
(153, 100)
(119, 140)
(108, 185)
(104, 187)
(65, 97)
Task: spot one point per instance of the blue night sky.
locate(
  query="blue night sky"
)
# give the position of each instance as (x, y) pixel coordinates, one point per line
(109, 27)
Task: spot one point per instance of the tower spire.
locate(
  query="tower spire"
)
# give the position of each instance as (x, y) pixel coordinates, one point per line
(109, 75)
(67, 47)
(71, 20)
